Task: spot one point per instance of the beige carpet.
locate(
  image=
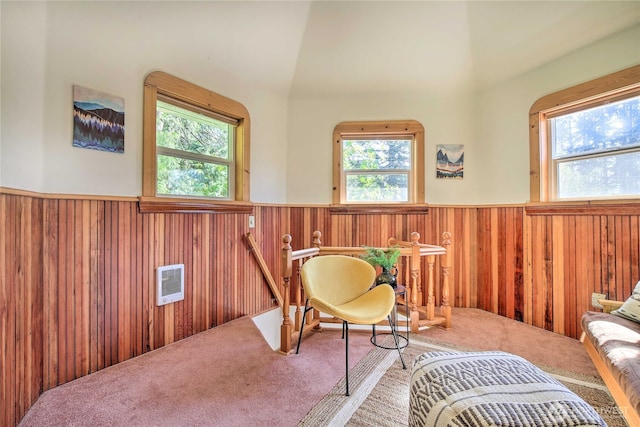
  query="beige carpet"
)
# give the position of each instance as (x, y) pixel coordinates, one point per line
(229, 376)
(381, 396)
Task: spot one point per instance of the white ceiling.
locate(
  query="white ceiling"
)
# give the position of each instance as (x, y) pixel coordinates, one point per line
(301, 48)
(409, 46)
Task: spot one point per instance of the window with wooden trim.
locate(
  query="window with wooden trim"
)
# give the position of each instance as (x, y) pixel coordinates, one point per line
(378, 162)
(196, 148)
(585, 141)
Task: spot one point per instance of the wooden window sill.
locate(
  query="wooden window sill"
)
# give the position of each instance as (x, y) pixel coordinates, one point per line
(618, 207)
(378, 209)
(186, 205)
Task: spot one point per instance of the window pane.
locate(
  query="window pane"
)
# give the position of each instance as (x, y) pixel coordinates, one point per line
(615, 175)
(377, 187)
(610, 126)
(184, 177)
(376, 154)
(186, 130)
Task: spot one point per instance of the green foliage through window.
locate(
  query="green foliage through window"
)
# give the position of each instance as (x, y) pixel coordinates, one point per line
(377, 170)
(194, 153)
(596, 151)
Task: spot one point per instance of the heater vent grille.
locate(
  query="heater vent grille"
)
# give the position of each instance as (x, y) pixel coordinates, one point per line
(170, 284)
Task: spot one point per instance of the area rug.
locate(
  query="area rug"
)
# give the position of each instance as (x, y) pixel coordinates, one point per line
(380, 390)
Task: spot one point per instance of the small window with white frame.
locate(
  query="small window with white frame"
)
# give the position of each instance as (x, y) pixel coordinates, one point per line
(595, 149)
(379, 163)
(195, 151)
(377, 170)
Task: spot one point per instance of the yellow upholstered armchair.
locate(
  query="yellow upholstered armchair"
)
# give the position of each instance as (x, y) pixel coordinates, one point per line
(340, 286)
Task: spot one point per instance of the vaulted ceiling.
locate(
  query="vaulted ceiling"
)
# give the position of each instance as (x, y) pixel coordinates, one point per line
(300, 48)
(357, 46)
(318, 48)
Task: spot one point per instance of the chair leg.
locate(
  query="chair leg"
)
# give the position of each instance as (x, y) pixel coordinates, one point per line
(345, 331)
(304, 319)
(397, 341)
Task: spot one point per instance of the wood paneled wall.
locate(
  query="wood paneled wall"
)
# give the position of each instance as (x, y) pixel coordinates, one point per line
(77, 276)
(77, 287)
(99, 281)
(568, 257)
(21, 338)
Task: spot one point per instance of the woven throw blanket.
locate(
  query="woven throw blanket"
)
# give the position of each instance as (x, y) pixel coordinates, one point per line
(491, 388)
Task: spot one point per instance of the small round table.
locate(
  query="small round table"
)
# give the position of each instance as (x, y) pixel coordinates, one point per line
(400, 290)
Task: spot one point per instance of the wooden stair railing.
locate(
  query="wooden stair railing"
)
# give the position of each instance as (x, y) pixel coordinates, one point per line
(426, 315)
(411, 251)
(287, 259)
(264, 268)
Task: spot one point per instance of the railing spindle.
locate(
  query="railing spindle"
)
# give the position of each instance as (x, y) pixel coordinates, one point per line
(416, 294)
(445, 309)
(431, 300)
(298, 294)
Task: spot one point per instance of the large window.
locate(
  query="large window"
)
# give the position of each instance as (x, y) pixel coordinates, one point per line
(595, 152)
(196, 148)
(585, 141)
(379, 163)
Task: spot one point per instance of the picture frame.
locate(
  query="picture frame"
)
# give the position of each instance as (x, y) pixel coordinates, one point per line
(450, 161)
(98, 120)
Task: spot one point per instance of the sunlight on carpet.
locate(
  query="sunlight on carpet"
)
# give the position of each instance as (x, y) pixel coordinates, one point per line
(380, 390)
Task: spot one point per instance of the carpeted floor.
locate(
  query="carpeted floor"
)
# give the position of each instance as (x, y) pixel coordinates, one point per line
(381, 396)
(229, 376)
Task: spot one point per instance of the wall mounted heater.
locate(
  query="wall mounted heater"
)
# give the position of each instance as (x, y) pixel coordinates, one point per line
(170, 284)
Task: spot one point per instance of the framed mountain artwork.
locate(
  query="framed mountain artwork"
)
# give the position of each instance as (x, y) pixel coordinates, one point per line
(98, 120)
(450, 161)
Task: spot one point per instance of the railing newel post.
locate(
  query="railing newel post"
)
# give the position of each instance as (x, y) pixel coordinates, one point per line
(286, 270)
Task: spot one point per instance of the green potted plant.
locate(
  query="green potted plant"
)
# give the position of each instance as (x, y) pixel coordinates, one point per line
(386, 259)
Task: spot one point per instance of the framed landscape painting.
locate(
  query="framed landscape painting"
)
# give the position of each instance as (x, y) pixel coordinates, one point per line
(450, 161)
(98, 120)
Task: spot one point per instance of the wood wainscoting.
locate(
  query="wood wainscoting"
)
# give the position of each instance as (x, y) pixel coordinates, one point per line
(77, 274)
(78, 287)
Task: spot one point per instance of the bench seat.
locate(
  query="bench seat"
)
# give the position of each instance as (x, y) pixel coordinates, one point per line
(613, 343)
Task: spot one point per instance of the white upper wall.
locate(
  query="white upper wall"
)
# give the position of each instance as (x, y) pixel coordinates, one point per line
(244, 51)
(446, 120)
(492, 124)
(468, 71)
(22, 133)
(502, 112)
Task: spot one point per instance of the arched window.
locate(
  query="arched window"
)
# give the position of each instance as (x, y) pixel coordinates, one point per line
(378, 162)
(585, 141)
(195, 148)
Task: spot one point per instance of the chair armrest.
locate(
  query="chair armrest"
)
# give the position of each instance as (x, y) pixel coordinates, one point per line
(610, 305)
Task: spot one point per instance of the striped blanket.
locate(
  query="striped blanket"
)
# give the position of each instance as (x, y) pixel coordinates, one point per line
(490, 388)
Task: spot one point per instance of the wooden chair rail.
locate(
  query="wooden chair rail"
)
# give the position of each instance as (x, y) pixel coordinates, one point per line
(410, 251)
